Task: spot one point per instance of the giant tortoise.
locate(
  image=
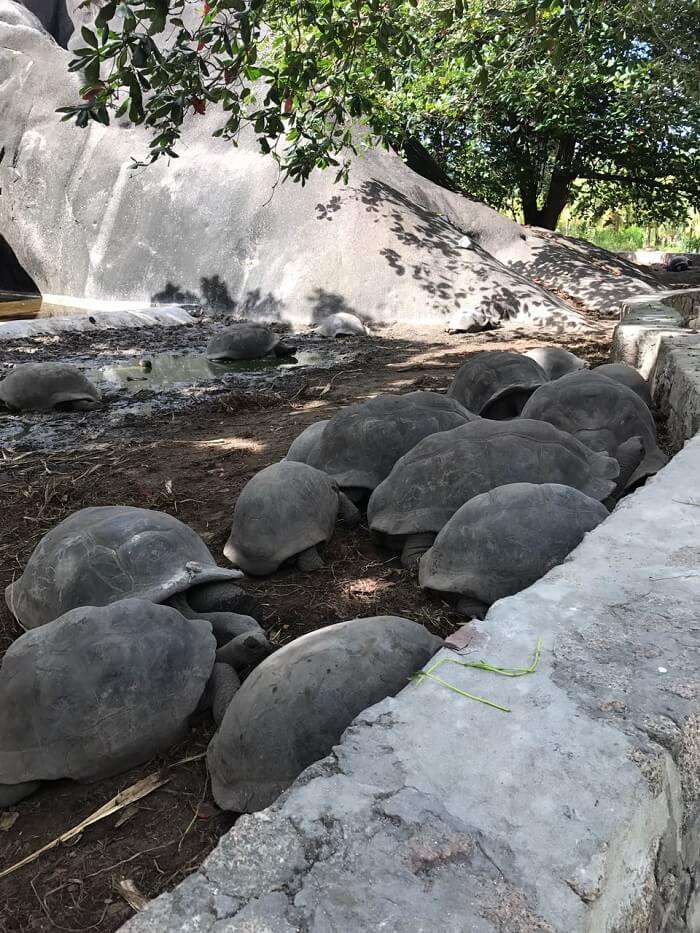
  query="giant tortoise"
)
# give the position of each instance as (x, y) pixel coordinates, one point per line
(295, 706)
(105, 553)
(342, 324)
(47, 387)
(361, 443)
(496, 383)
(503, 540)
(605, 415)
(556, 361)
(100, 690)
(302, 447)
(627, 376)
(283, 513)
(246, 342)
(443, 471)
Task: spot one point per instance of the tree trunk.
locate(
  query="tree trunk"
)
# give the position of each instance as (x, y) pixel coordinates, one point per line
(558, 192)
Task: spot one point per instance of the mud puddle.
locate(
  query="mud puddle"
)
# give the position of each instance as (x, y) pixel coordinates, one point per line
(171, 370)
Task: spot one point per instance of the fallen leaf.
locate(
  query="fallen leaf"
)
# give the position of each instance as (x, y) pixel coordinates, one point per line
(8, 818)
(126, 888)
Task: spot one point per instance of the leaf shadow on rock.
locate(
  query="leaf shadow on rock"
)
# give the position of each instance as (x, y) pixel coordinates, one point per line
(214, 296)
(325, 303)
(592, 274)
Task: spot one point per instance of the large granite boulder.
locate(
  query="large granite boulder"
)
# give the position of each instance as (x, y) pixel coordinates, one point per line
(388, 245)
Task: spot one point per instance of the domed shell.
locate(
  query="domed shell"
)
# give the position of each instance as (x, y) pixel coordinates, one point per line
(496, 383)
(361, 444)
(342, 324)
(102, 554)
(503, 540)
(241, 342)
(429, 484)
(295, 706)
(283, 510)
(100, 690)
(556, 361)
(47, 386)
(601, 413)
(626, 376)
(305, 444)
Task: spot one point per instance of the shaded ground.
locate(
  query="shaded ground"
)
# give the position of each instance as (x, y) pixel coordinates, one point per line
(193, 462)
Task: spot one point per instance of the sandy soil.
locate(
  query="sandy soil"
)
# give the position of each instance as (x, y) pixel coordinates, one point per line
(191, 456)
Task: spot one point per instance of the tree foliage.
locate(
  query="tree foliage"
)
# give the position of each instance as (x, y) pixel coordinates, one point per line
(535, 102)
(549, 101)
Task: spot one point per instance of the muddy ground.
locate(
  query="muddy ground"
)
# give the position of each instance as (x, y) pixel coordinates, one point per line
(190, 453)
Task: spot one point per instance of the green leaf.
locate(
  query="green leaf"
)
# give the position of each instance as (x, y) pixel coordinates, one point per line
(89, 37)
(105, 14)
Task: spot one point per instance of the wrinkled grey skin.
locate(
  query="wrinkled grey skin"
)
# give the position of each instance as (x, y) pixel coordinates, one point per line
(626, 376)
(302, 447)
(342, 324)
(284, 512)
(47, 387)
(99, 555)
(296, 705)
(246, 342)
(100, 690)
(503, 540)
(496, 383)
(361, 443)
(431, 482)
(604, 415)
(556, 361)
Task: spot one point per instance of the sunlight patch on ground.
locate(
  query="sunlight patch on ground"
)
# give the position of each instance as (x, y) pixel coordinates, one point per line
(230, 443)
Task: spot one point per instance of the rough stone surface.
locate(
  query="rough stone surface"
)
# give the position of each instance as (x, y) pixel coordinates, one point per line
(575, 812)
(652, 336)
(388, 245)
(677, 386)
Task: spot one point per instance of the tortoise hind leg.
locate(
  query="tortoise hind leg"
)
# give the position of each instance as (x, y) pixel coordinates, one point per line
(284, 349)
(471, 607)
(415, 547)
(220, 690)
(10, 794)
(349, 514)
(309, 560)
(629, 455)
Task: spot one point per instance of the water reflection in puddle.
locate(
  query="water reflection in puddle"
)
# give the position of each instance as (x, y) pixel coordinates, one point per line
(171, 369)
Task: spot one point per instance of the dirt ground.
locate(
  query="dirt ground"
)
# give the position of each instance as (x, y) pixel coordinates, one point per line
(192, 461)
